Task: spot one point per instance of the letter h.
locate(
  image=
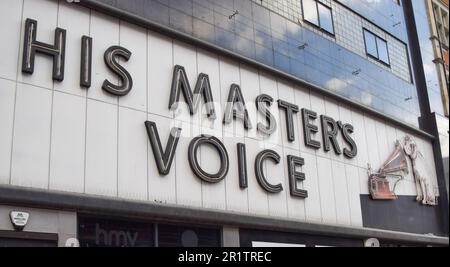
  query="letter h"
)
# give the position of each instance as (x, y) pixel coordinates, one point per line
(31, 47)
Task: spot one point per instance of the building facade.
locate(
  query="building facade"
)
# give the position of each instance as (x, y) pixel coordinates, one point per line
(219, 123)
(434, 54)
(438, 20)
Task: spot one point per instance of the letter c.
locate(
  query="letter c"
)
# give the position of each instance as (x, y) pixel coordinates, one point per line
(259, 165)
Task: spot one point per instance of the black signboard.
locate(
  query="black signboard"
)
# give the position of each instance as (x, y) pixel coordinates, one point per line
(100, 232)
(106, 232)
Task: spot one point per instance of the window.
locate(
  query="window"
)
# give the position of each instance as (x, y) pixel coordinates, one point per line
(376, 47)
(371, 44)
(106, 232)
(112, 232)
(325, 19)
(383, 54)
(170, 235)
(318, 14)
(441, 17)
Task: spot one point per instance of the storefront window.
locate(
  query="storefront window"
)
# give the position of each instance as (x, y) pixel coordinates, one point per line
(185, 236)
(103, 232)
(260, 238)
(95, 232)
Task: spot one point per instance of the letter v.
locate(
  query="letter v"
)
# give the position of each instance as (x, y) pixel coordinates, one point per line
(163, 158)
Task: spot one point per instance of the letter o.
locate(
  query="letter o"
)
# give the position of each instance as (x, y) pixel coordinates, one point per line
(195, 166)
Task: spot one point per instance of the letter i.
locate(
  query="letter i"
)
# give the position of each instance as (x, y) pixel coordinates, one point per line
(86, 62)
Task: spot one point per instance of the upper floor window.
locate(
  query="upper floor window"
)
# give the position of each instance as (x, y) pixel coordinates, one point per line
(318, 14)
(376, 47)
(441, 18)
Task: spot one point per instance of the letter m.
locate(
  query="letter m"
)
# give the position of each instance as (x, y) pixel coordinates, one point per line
(180, 83)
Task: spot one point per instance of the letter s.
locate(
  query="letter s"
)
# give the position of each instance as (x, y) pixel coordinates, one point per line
(347, 130)
(111, 61)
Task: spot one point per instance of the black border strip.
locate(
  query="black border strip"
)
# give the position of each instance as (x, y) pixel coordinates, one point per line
(29, 235)
(162, 29)
(83, 203)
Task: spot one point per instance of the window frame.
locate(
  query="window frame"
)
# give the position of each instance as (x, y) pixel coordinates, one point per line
(441, 24)
(319, 27)
(387, 64)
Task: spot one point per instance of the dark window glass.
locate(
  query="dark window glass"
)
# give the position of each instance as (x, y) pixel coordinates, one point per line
(383, 54)
(105, 232)
(326, 22)
(248, 236)
(376, 47)
(310, 11)
(318, 14)
(93, 232)
(185, 236)
(371, 44)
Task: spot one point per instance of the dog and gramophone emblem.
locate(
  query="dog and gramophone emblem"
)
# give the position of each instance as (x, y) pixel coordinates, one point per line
(383, 183)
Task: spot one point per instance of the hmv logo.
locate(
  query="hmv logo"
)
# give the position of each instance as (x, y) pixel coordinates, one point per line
(114, 238)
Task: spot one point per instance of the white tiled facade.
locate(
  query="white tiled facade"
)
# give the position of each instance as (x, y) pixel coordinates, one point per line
(348, 28)
(291, 9)
(58, 136)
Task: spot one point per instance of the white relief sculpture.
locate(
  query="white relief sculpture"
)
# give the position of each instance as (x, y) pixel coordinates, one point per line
(425, 191)
(395, 167)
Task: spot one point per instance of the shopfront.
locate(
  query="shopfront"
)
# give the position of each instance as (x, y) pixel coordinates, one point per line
(109, 232)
